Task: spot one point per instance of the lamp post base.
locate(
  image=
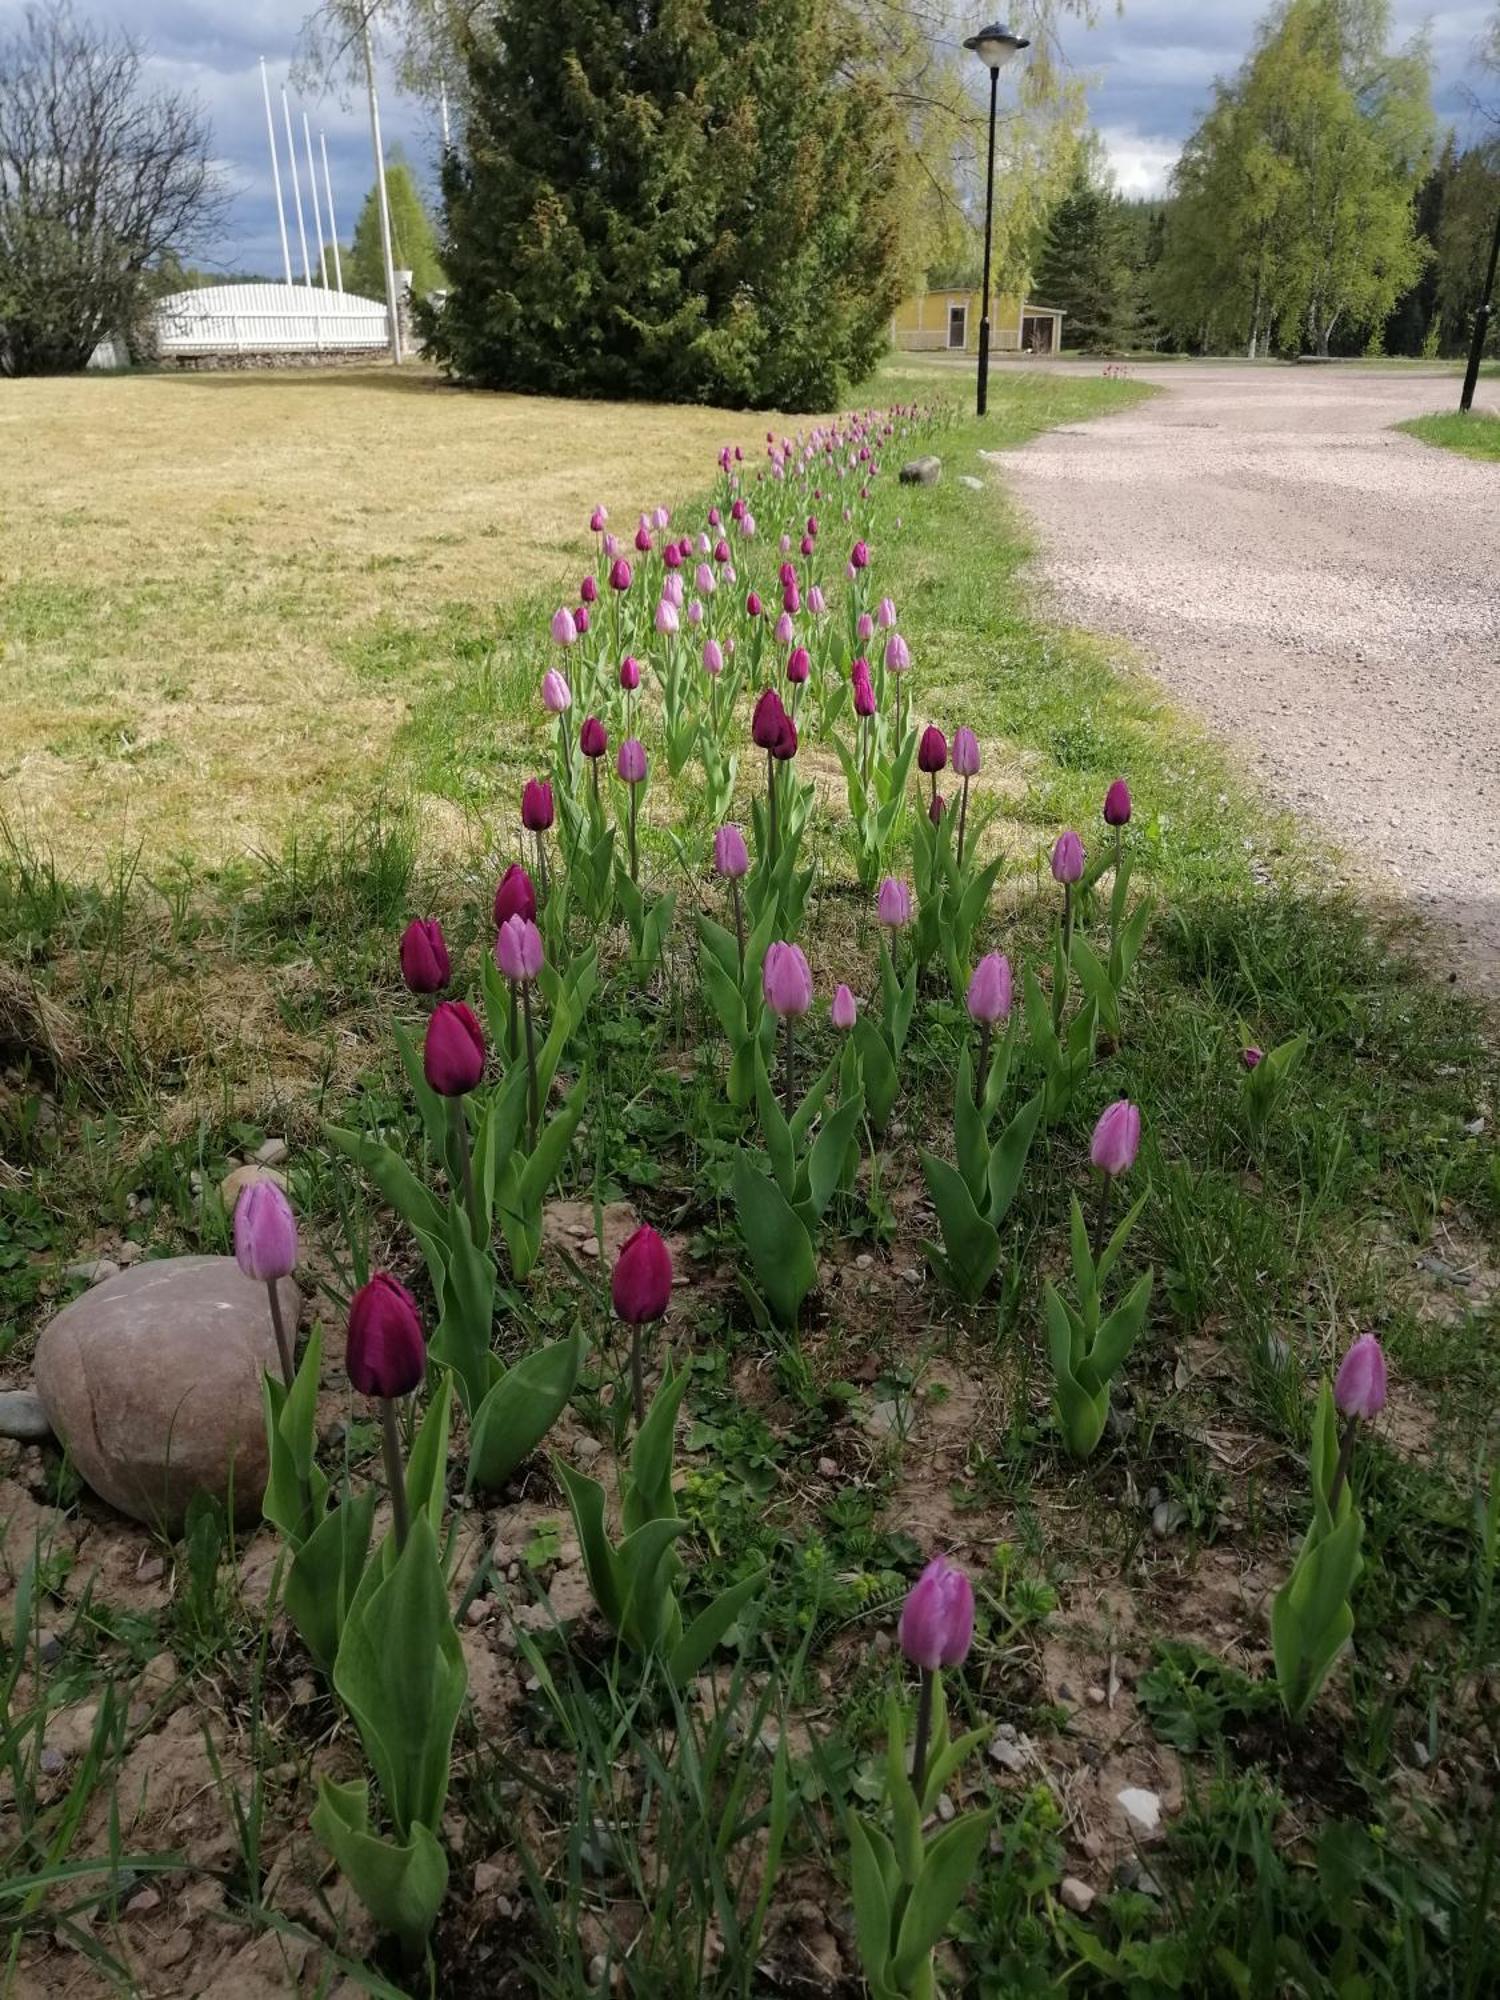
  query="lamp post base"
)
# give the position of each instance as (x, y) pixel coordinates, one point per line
(984, 365)
(1476, 358)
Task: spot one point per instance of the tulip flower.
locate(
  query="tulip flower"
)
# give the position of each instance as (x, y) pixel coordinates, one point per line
(581, 619)
(1117, 804)
(1067, 868)
(1117, 1139)
(695, 612)
(966, 766)
(932, 753)
(641, 1288)
(791, 599)
(897, 654)
(515, 896)
(806, 545)
(537, 814)
(893, 903)
(989, 995)
(518, 949)
(643, 539)
(265, 1248)
(773, 731)
(666, 620)
(784, 631)
(731, 857)
(588, 590)
(844, 1011)
(453, 1054)
(597, 519)
(817, 604)
(1067, 859)
(705, 580)
(564, 627)
(859, 556)
(671, 555)
(620, 574)
(936, 1630)
(752, 604)
(631, 766)
(386, 1357)
(786, 984)
(713, 657)
(864, 628)
(799, 665)
(1252, 1058)
(1359, 1389)
(425, 966)
(593, 740)
(886, 614)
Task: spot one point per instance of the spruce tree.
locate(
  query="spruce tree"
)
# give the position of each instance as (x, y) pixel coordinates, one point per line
(1083, 268)
(684, 199)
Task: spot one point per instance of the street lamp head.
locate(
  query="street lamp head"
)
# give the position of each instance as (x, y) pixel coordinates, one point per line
(996, 46)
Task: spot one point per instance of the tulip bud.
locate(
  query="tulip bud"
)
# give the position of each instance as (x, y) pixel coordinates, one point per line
(752, 604)
(630, 673)
(1117, 1139)
(785, 630)
(859, 556)
(425, 964)
(619, 574)
(581, 619)
(643, 539)
(766, 723)
(799, 665)
(265, 1233)
(1067, 858)
(666, 618)
(893, 903)
(610, 544)
(864, 695)
(932, 751)
(812, 524)
(1117, 804)
(671, 555)
(515, 896)
(989, 995)
(786, 981)
(592, 738)
(1359, 1387)
(518, 949)
(564, 630)
(695, 611)
(385, 1355)
(721, 550)
(631, 761)
(791, 599)
(453, 1054)
(886, 614)
(864, 628)
(897, 654)
(597, 519)
(1252, 1057)
(965, 753)
(937, 805)
(661, 516)
(588, 590)
(641, 1282)
(937, 1619)
(843, 1012)
(714, 516)
(536, 805)
(731, 858)
(557, 696)
(713, 657)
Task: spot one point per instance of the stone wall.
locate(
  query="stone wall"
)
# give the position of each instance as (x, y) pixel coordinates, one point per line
(278, 357)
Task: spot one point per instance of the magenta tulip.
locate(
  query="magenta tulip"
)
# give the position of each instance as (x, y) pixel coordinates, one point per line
(619, 574)
(937, 1619)
(588, 590)
(1067, 859)
(641, 1282)
(786, 981)
(453, 1054)
(989, 995)
(1360, 1386)
(386, 1354)
(859, 556)
(593, 739)
(265, 1233)
(1252, 1058)
(1117, 804)
(598, 518)
(536, 805)
(731, 857)
(630, 673)
(515, 896)
(1117, 1139)
(932, 750)
(799, 665)
(425, 965)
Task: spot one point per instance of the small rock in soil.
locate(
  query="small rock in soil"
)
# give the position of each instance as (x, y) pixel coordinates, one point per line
(925, 471)
(974, 485)
(48, 1648)
(234, 1183)
(128, 1254)
(1076, 1896)
(93, 1270)
(272, 1153)
(143, 1902)
(51, 1762)
(22, 1417)
(152, 1570)
(1167, 1516)
(1141, 1806)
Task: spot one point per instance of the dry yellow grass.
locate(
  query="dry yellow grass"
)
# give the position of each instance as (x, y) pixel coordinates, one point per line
(187, 559)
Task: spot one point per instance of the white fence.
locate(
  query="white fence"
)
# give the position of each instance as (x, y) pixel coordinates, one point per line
(258, 319)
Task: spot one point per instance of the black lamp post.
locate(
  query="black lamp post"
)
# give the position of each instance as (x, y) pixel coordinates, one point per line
(995, 47)
(1481, 326)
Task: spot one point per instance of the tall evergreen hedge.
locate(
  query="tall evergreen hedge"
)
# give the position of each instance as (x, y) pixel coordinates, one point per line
(689, 200)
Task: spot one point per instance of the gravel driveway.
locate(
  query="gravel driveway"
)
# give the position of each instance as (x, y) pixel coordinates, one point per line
(1323, 590)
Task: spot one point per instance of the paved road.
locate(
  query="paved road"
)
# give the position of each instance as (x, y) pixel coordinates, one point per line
(1325, 591)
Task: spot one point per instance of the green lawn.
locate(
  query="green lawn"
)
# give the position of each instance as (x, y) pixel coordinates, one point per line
(1476, 435)
(177, 1016)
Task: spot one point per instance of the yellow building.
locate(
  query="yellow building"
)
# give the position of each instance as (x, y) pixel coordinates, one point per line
(949, 320)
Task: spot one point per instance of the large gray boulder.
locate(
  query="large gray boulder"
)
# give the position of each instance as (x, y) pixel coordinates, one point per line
(152, 1381)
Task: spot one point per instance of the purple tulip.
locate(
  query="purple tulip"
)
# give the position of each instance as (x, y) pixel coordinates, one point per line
(752, 604)
(859, 556)
(581, 620)
(1117, 804)
(557, 696)
(592, 738)
(536, 805)
(386, 1354)
(425, 965)
(1359, 1388)
(641, 1283)
(966, 753)
(786, 981)
(265, 1233)
(564, 629)
(844, 1012)
(897, 654)
(932, 751)
(887, 614)
(798, 665)
(588, 590)
(937, 805)
(1252, 1057)
(713, 657)
(864, 693)
(731, 857)
(453, 1054)
(630, 673)
(631, 761)
(1067, 858)
(515, 895)
(643, 539)
(597, 519)
(937, 1619)
(518, 949)
(893, 903)
(989, 995)
(1117, 1138)
(619, 574)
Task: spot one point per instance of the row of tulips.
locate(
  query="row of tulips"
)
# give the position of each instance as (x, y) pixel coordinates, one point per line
(499, 1123)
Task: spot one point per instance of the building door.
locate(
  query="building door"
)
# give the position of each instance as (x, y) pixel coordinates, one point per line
(1036, 333)
(958, 326)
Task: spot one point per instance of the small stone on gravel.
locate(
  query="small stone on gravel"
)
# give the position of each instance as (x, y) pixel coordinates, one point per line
(1076, 1896)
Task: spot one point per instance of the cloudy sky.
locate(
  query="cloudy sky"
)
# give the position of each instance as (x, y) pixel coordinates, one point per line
(1152, 67)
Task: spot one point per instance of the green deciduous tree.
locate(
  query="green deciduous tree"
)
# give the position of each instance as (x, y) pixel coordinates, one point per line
(414, 245)
(1293, 222)
(687, 200)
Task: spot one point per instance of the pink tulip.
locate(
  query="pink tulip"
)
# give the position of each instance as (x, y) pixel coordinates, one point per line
(1067, 858)
(897, 654)
(965, 753)
(641, 1283)
(1117, 1138)
(265, 1233)
(518, 949)
(557, 696)
(843, 1012)
(713, 657)
(786, 981)
(886, 613)
(631, 761)
(425, 965)
(731, 857)
(989, 996)
(937, 1619)
(564, 629)
(864, 628)
(1359, 1389)
(673, 592)
(893, 903)
(785, 630)
(666, 617)
(816, 603)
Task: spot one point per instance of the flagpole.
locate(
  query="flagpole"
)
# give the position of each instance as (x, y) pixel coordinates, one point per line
(286, 255)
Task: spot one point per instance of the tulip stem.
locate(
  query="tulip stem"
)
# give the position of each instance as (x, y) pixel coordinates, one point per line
(395, 1476)
(541, 865)
(739, 923)
(459, 1122)
(771, 803)
(963, 819)
(981, 1080)
(1101, 1217)
(594, 767)
(637, 1376)
(1060, 997)
(790, 1069)
(1346, 1459)
(284, 1347)
(534, 1109)
(567, 749)
(634, 865)
(898, 721)
(924, 1733)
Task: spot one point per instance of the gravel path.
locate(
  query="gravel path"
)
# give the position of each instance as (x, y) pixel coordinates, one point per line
(1323, 590)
